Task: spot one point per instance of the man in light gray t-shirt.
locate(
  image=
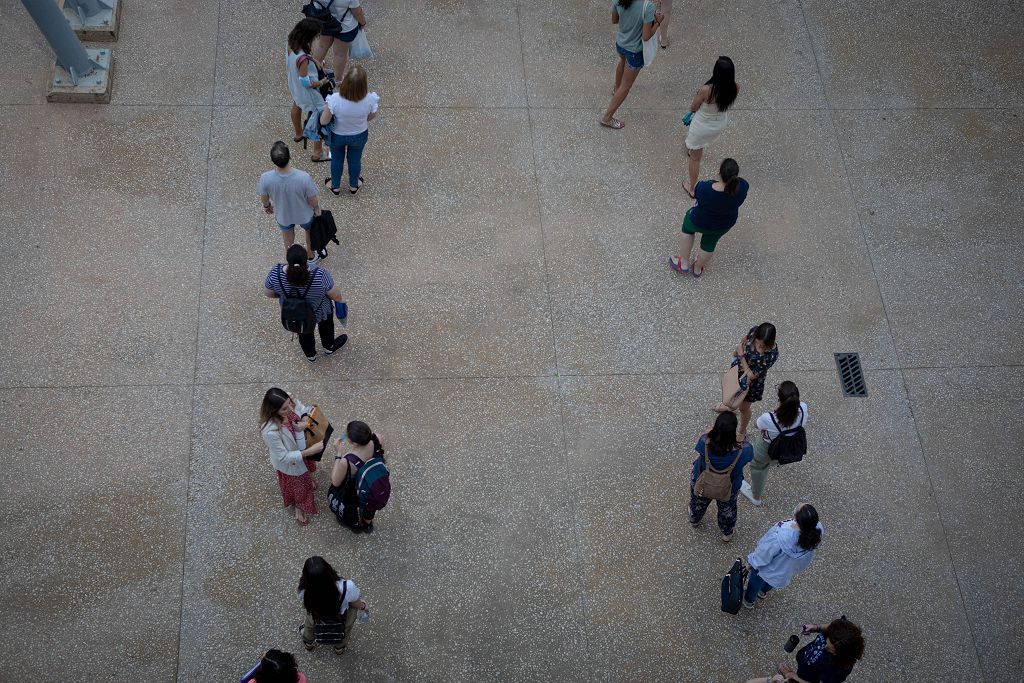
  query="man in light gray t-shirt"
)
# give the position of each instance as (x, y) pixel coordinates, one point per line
(291, 195)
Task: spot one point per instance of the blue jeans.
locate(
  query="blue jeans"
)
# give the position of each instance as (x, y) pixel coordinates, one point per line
(350, 147)
(755, 584)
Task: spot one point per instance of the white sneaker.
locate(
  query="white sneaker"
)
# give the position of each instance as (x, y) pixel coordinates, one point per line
(745, 490)
(312, 261)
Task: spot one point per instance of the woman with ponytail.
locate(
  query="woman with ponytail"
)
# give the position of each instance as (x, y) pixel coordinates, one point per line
(359, 445)
(786, 549)
(298, 278)
(790, 414)
(715, 212)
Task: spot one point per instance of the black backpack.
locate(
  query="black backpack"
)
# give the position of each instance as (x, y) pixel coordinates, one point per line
(297, 315)
(332, 631)
(315, 9)
(791, 444)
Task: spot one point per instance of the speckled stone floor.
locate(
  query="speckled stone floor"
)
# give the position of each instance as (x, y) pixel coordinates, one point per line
(536, 371)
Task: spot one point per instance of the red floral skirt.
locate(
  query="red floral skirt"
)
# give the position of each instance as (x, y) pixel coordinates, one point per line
(298, 491)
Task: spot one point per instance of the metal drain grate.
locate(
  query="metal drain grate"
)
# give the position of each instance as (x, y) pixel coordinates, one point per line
(851, 375)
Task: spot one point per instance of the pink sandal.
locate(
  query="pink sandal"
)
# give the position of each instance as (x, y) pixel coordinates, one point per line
(676, 264)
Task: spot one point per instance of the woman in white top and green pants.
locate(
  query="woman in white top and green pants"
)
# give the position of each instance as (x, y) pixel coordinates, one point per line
(791, 413)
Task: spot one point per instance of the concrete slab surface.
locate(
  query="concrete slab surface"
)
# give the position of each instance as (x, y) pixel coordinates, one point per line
(537, 373)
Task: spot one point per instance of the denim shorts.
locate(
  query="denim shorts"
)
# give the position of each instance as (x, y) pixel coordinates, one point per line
(305, 226)
(635, 60)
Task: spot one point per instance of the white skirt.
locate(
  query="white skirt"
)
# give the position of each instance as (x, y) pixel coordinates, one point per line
(705, 129)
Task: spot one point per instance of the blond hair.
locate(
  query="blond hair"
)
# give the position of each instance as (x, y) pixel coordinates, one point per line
(353, 85)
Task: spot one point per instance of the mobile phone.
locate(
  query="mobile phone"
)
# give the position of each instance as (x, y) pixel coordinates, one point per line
(791, 644)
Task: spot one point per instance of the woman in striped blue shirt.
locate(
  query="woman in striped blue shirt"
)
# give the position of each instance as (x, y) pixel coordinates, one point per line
(317, 287)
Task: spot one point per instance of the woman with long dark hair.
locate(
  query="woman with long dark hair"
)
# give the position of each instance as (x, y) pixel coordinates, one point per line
(331, 604)
(298, 278)
(717, 449)
(637, 21)
(829, 658)
(360, 445)
(708, 115)
(282, 428)
(786, 549)
(277, 666)
(304, 80)
(754, 355)
(715, 213)
(790, 414)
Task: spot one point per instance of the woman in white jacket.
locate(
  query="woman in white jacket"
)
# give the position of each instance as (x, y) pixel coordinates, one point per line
(282, 429)
(786, 549)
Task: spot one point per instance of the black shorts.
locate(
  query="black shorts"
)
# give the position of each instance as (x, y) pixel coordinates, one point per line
(346, 37)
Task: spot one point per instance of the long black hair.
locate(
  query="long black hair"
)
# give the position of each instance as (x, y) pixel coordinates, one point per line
(297, 271)
(723, 83)
(765, 333)
(277, 667)
(358, 432)
(730, 174)
(807, 519)
(789, 404)
(722, 438)
(319, 584)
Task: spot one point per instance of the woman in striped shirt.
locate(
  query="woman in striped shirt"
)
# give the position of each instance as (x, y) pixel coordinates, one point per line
(316, 285)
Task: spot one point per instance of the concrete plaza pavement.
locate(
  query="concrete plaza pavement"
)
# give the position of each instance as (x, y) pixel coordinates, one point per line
(536, 371)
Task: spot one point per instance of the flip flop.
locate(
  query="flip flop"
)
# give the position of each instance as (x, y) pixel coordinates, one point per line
(614, 123)
(298, 139)
(676, 264)
(688, 191)
(335, 192)
(317, 160)
(696, 274)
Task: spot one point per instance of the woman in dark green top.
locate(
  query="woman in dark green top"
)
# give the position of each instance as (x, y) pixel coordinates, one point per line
(717, 209)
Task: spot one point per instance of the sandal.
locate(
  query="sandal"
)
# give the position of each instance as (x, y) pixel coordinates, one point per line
(298, 138)
(614, 123)
(722, 408)
(337, 192)
(321, 158)
(676, 264)
(696, 274)
(356, 188)
(688, 190)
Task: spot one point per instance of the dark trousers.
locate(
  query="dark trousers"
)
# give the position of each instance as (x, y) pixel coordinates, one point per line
(726, 510)
(326, 329)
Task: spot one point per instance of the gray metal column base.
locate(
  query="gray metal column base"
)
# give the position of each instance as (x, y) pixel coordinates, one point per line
(94, 88)
(100, 27)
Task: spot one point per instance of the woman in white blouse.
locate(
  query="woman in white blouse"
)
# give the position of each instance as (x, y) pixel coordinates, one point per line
(282, 428)
(349, 110)
(789, 414)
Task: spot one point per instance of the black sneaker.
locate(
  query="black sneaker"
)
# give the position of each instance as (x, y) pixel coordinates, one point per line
(338, 343)
(312, 359)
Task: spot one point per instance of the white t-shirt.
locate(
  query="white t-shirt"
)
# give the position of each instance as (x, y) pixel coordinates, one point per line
(350, 117)
(351, 594)
(338, 8)
(768, 430)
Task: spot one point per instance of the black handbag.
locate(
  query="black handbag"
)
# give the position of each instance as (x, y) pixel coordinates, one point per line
(732, 587)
